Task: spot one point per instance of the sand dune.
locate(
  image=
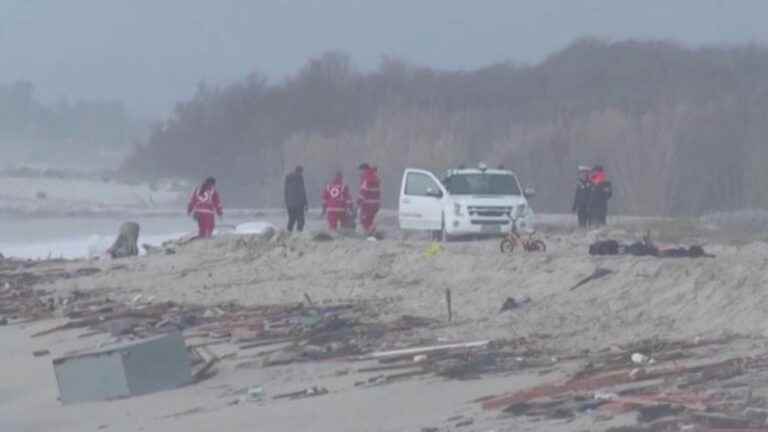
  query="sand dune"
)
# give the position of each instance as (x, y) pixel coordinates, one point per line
(642, 297)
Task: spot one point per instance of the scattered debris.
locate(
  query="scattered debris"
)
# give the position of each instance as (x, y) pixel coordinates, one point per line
(322, 237)
(158, 250)
(646, 247)
(433, 250)
(208, 360)
(698, 394)
(310, 392)
(422, 350)
(512, 303)
(604, 247)
(255, 394)
(465, 423)
(640, 359)
(191, 411)
(448, 304)
(126, 243)
(121, 370)
(597, 274)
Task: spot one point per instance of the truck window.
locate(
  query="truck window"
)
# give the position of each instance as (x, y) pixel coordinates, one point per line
(482, 184)
(418, 184)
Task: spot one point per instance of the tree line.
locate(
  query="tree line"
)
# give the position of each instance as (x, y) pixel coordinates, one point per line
(680, 130)
(64, 133)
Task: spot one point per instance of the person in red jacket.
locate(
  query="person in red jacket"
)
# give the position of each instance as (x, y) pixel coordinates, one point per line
(204, 205)
(336, 200)
(369, 200)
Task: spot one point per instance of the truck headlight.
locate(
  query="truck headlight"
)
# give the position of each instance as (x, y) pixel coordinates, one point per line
(457, 209)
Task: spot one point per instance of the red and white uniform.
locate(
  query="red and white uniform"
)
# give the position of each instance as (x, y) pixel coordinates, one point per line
(369, 199)
(205, 204)
(336, 199)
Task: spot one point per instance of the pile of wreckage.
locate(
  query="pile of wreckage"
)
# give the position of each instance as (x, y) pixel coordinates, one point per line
(695, 385)
(299, 332)
(672, 386)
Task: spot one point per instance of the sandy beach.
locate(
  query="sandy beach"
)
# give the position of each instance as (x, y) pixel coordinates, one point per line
(642, 298)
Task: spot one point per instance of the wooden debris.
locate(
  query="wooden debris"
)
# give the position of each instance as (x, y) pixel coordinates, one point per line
(209, 361)
(422, 350)
(597, 274)
(448, 304)
(310, 392)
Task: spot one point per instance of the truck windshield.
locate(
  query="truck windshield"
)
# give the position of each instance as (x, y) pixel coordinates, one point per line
(482, 184)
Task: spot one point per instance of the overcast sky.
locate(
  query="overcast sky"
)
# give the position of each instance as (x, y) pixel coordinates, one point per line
(151, 53)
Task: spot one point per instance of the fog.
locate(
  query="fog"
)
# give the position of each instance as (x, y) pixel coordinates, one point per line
(540, 85)
(152, 54)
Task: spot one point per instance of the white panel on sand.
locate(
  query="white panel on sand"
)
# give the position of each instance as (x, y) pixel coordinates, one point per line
(255, 228)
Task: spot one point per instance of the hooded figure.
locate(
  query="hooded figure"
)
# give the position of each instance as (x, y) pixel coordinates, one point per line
(204, 205)
(369, 200)
(600, 193)
(336, 201)
(581, 197)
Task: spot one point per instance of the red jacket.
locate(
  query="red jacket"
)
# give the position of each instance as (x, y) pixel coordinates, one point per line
(598, 177)
(336, 196)
(206, 201)
(370, 188)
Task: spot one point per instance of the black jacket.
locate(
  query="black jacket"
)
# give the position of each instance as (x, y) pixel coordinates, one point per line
(581, 197)
(295, 192)
(600, 194)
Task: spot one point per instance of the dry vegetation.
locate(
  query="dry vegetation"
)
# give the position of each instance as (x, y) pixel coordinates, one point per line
(680, 130)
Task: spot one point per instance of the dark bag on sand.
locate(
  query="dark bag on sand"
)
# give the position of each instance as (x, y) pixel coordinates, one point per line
(641, 249)
(681, 252)
(604, 247)
(698, 252)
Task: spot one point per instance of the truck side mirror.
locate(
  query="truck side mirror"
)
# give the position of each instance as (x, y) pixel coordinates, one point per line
(434, 193)
(529, 192)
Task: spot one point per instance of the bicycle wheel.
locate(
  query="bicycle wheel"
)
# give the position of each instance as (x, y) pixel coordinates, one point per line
(537, 246)
(507, 245)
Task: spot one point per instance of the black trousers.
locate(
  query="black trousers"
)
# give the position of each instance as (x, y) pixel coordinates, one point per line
(583, 215)
(598, 215)
(296, 218)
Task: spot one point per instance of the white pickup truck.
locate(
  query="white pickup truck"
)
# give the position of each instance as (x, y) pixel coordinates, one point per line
(464, 202)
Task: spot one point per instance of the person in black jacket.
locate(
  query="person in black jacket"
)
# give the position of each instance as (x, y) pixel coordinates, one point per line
(601, 192)
(296, 199)
(581, 197)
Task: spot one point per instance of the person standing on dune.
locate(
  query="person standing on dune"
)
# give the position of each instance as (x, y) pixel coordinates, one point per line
(600, 193)
(336, 201)
(369, 200)
(204, 205)
(296, 199)
(581, 197)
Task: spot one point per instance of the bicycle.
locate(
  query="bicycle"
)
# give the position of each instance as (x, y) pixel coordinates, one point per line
(513, 239)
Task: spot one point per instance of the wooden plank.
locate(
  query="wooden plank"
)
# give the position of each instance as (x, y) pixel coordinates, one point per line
(423, 350)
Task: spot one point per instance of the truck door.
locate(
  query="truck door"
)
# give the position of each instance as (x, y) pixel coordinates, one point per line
(421, 201)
